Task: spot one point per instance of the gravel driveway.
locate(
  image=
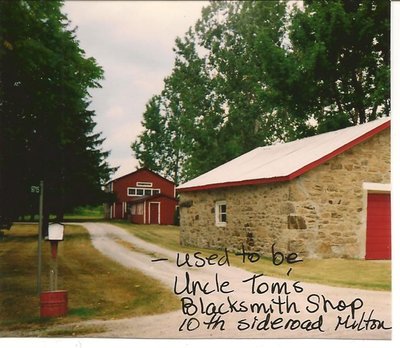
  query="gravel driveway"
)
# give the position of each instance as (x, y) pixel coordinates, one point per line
(309, 310)
(237, 303)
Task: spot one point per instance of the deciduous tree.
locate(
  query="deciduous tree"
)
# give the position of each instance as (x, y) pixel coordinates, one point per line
(252, 73)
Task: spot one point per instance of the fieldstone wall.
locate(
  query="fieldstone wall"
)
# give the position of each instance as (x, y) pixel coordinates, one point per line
(320, 214)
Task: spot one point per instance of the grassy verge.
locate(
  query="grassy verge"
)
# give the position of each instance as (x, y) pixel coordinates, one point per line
(98, 288)
(84, 213)
(361, 274)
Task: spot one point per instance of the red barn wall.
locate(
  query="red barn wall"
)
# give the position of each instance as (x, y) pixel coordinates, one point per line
(120, 185)
(120, 188)
(167, 208)
(137, 219)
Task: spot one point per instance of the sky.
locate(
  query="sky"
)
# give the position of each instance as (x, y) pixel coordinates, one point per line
(132, 41)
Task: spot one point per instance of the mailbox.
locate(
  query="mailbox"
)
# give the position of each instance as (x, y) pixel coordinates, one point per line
(56, 232)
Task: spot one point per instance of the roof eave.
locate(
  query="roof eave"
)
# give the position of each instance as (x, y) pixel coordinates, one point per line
(296, 173)
(151, 197)
(136, 171)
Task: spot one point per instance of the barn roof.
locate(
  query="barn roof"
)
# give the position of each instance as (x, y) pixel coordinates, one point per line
(285, 161)
(137, 171)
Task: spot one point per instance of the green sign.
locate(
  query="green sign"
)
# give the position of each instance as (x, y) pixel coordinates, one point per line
(35, 189)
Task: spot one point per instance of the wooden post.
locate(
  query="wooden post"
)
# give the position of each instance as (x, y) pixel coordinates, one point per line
(40, 228)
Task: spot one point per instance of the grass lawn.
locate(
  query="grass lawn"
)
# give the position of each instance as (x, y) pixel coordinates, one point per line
(362, 274)
(84, 213)
(98, 288)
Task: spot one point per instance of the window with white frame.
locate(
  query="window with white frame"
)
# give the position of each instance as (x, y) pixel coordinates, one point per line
(144, 184)
(134, 191)
(220, 213)
(139, 209)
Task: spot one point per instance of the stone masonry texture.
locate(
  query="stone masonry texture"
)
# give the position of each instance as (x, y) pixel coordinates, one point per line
(320, 214)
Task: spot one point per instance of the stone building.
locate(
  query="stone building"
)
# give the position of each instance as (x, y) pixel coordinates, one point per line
(321, 197)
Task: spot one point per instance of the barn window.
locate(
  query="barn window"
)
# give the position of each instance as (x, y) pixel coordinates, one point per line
(134, 191)
(139, 209)
(131, 191)
(144, 184)
(220, 214)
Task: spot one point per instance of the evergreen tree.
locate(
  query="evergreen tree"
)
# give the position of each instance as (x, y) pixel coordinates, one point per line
(45, 121)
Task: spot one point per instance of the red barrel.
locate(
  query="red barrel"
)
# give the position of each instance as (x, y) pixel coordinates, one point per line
(53, 303)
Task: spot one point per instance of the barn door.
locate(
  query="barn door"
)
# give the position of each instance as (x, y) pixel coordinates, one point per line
(378, 227)
(154, 212)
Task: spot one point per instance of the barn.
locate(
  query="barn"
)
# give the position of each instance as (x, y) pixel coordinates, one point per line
(324, 196)
(142, 197)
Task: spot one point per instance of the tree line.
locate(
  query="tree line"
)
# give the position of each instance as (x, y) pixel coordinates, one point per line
(253, 73)
(46, 123)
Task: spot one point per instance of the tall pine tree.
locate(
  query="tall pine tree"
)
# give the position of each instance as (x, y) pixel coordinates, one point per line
(47, 128)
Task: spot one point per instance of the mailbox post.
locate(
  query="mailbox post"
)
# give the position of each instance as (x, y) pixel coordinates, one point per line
(39, 189)
(54, 303)
(56, 235)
